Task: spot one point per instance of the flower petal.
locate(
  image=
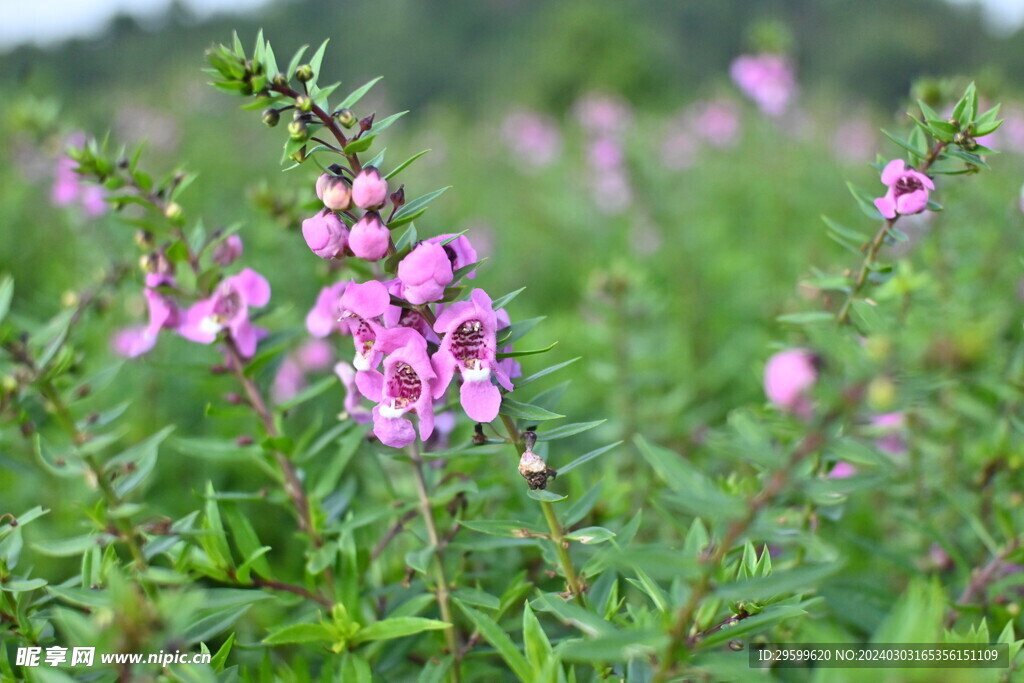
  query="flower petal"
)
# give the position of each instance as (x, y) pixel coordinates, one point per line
(481, 400)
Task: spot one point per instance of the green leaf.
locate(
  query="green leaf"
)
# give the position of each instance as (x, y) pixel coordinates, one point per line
(477, 598)
(70, 546)
(526, 411)
(502, 301)
(402, 166)
(852, 235)
(308, 394)
(358, 93)
(359, 145)
(384, 124)
(545, 496)
(535, 641)
(865, 202)
(806, 318)
(518, 330)
(509, 528)
(299, 633)
(546, 371)
(316, 61)
(496, 636)
(139, 460)
(587, 457)
(758, 623)
(531, 352)
(21, 585)
(568, 430)
(220, 658)
(617, 647)
(573, 615)
(296, 60)
(247, 542)
(927, 112)
(215, 543)
(415, 208)
(6, 294)
(591, 535)
(697, 494)
(399, 627)
(436, 670)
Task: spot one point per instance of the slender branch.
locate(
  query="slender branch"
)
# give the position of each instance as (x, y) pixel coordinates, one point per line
(572, 579)
(683, 622)
(980, 579)
(292, 484)
(440, 579)
(328, 121)
(843, 317)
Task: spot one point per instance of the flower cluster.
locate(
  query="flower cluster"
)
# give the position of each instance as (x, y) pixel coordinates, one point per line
(410, 337)
(223, 315)
(604, 120)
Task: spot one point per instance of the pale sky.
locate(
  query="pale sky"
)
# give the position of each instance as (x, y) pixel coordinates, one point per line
(47, 21)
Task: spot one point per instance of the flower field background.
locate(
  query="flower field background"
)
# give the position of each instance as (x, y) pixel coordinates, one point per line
(787, 379)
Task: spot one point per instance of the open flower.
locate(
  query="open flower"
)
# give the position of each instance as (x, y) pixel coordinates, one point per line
(403, 388)
(424, 273)
(361, 306)
(228, 309)
(325, 316)
(908, 190)
(469, 345)
(163, 313)
(788, 376)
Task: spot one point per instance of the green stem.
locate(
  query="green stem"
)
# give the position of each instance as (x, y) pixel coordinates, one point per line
(572, 579)
(440, 579)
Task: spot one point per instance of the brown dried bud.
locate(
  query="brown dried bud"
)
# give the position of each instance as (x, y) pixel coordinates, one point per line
(366, 123)
(478, 435)
(535, 471)
(398, 197)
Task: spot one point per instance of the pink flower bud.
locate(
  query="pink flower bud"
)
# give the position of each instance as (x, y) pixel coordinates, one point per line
(369, 190)
(369, 238)
(424, 273)
(325, 234)
(788, 376)
(228, 251)
(333, 192)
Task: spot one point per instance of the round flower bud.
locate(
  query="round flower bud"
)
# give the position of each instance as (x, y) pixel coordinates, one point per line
(345, 117)
(369, 238)
(333, 192)
(271, 117)
(304, 103)
(304, 73)
(173, 210)
(788, 377)
(228, 251)
(369, 190)
(298, 130)
(325, 235)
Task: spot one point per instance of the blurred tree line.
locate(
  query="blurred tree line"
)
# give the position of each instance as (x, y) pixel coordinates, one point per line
(544, 54)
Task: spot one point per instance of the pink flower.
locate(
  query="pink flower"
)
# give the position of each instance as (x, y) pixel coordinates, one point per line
(333, 192)
(369, 238)
(469, 345)
(325, 234)
(533, 138)
(353, 405)
(767, 79)
(908, 190)
(228, 251)
(369, 190)
(424, 273)
(311, 356)
(842, 470)
(788, 376)
(460, 252)
(601, 114)
(717, 121)
(399, 316)
(361, 306)
(403, 388)
(70, 188)
(891, 428)
(326, 313)
(228, 309)
(163, 313)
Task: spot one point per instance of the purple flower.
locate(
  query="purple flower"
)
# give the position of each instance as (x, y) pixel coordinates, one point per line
(788, 376)
(228, 251)
(333, 192)
(369, 238)
(424, 273)
(460, 252)
(403, 388)
(361, 306)
(163, 313)
(908, 190)
(325, 234)
(324, 317)
(369, 190)
(228, 309)
(767, 79)
(469, 345)
(399, 316)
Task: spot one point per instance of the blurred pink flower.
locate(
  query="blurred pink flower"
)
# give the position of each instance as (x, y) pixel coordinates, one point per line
(788, 377)
(532, 138)
(842, 470)
(854, 140)
(603, 114)
(717, 121)
(311, 356)
(767, 79)
(892, 438)
(69, 188)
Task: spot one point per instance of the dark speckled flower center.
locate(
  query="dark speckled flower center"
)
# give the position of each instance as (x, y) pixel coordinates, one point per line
(226, 306)
(404, 385)
(907, 184)
(468, 345)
